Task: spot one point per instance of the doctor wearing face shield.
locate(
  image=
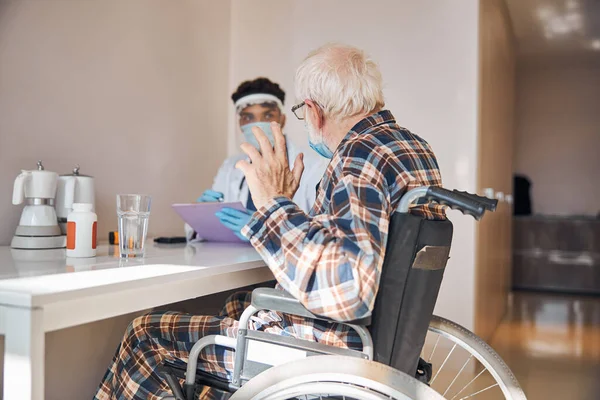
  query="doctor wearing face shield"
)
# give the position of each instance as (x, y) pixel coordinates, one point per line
(257, 103)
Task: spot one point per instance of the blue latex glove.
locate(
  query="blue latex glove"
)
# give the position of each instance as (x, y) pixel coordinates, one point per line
(210, 196)
(234, 220)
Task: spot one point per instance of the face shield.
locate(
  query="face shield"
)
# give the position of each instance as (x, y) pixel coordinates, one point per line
(246, 128)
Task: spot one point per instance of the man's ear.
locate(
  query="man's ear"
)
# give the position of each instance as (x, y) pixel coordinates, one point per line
(315, 113)
(282, 120)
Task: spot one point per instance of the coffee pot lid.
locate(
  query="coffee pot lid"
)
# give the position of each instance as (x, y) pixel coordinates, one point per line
(76, 173)
(40, 167)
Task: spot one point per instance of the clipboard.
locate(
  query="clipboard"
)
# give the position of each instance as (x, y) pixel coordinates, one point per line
(201, 217)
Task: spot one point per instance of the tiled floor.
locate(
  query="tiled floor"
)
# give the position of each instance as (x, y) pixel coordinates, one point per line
(552, 344)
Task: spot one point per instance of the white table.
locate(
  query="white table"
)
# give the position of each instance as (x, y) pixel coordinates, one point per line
(42, 291)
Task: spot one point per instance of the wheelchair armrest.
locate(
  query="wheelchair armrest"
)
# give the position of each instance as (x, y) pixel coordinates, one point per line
(279, 300)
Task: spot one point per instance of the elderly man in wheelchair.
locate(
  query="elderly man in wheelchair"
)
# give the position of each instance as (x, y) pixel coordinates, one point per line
(357, 277)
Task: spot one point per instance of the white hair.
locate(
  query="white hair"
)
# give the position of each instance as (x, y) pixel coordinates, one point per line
(342, 80)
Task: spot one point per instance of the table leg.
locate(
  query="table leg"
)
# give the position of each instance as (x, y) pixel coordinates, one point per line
(23, 354)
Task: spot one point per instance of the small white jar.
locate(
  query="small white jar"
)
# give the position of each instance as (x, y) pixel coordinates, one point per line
(82, 231)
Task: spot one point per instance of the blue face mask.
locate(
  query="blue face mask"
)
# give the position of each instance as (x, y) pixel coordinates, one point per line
(249, 136)
(321, 149)
(319, 146)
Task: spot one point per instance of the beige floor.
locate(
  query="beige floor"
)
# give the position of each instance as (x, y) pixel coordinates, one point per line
(552, 344)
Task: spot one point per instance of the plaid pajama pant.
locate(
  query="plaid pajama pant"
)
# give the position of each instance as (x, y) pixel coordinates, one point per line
(157, 336)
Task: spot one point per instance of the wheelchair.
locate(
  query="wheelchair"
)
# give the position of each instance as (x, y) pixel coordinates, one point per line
(402, 341)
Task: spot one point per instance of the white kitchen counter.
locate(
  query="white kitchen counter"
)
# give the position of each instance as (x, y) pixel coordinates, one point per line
(43, 291)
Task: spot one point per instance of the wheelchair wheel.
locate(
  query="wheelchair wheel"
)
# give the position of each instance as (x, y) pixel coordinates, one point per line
(334, 377)
(464, 366)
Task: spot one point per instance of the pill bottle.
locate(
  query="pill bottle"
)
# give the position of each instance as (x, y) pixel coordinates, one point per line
(81, 231)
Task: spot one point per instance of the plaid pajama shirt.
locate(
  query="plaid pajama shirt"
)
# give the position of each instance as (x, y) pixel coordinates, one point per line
(330, 260)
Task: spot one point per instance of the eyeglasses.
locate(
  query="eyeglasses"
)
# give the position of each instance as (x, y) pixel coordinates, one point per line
(297, 113)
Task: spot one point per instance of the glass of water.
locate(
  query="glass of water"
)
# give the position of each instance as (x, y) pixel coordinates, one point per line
(133, 211)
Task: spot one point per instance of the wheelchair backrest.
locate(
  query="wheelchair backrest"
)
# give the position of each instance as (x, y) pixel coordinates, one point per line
(413, 268)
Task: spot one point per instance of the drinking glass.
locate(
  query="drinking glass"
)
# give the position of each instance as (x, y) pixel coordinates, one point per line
(133, 211)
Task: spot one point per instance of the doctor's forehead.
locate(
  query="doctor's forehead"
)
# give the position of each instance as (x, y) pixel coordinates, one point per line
(258, 109)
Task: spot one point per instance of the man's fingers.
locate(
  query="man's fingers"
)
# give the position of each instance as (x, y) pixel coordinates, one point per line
(251, 151)
(298, 167)
(266, 148)
(244, 166)
(280, 146)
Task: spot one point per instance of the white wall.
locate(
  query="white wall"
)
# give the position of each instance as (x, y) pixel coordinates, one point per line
(135, 91)
(558, 134)
(428, 53)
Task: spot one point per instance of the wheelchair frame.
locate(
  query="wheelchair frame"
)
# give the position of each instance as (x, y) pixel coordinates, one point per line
(250, 345)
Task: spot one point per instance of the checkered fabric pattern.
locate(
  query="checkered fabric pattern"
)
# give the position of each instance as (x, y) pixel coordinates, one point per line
(159, 336)
(329, 259)
(151, 338)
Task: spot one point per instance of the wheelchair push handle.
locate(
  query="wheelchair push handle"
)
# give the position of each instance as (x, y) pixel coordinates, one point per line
(489, 204)
(467, 203)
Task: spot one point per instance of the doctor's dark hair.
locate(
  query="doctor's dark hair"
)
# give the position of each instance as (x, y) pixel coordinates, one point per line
(258, 85)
